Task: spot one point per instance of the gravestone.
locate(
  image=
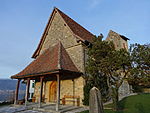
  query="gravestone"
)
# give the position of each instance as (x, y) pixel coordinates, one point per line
(95, 101)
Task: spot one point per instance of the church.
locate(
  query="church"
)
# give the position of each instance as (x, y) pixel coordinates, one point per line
(59, 61)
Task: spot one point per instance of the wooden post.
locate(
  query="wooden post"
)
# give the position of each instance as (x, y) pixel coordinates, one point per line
(73, 91)
(41, 91)
(27, 91)
(78, 101)
(17, 92)
(58, 92)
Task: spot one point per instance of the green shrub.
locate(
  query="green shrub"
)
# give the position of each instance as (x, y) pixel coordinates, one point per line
(86, 89)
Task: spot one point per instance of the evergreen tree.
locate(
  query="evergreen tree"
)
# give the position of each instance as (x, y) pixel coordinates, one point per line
(107, 67)
(93, 76)
(140, 74)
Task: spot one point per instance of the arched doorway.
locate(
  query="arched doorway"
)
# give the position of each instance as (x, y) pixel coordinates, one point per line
(52, 93)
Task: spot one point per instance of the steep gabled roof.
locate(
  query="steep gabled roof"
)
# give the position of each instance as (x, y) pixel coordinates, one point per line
(52, 60)
(76, 29)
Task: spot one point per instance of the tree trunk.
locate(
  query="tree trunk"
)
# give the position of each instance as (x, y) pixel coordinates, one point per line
(109, 88)
(115, 99)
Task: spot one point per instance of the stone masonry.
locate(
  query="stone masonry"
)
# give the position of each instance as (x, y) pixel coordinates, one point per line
(117, 39)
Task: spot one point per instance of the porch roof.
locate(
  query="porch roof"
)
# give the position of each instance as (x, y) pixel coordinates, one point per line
(53, 60)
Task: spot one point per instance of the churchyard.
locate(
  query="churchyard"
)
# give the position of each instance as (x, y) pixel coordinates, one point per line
(133, 104)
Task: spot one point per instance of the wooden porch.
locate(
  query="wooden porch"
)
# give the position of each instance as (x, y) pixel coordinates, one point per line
(53, 65)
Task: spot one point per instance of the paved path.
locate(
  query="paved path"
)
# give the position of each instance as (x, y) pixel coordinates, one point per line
(19, 109)
(23, 109)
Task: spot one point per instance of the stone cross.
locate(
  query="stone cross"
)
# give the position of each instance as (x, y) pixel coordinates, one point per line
(95, 101)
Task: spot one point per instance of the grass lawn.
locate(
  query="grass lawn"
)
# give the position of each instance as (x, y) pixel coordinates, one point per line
(132, 104)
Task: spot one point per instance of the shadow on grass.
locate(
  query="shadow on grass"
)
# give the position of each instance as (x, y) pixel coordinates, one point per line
(121, 105)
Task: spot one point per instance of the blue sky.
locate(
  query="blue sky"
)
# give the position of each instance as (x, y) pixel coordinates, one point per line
(22, 23)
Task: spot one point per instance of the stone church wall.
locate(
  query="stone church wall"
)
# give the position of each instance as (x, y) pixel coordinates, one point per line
(67, 87)
(76, 53)
(59, 31)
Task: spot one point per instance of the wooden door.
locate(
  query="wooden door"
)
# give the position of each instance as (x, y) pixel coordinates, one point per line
(53, 91)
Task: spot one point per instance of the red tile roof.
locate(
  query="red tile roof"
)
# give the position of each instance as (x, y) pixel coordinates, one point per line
(52, 60)
(76, 29)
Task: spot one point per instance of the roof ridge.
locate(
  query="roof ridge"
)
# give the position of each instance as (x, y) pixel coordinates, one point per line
(61, 52)
(59, 55)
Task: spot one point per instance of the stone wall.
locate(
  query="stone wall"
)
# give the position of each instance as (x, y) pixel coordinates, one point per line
(37, 91)
(59, 31)
(67, 87)
(124, 89)
(76, 53)
(72, 87)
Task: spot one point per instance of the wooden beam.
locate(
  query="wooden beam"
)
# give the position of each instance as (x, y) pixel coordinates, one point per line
(17, 91)
(27, 91)
(58, 92)
(41, 91)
